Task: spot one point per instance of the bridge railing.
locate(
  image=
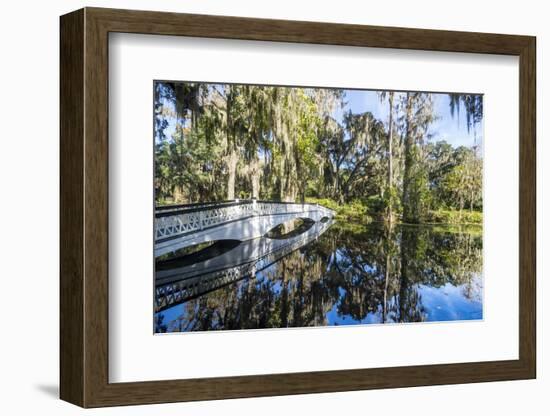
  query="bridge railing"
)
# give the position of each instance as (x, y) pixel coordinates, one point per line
(175, 221)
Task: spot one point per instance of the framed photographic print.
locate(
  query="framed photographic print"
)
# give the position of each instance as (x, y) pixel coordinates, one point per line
(260, 207)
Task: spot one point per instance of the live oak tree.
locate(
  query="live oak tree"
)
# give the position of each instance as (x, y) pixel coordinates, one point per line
(225, 141)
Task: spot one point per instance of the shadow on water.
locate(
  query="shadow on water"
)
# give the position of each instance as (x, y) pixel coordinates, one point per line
(351, 274)
(195, 254)
(188, 281)
(290, 228)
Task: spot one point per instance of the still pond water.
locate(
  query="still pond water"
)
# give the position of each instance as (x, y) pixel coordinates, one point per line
(349, 274)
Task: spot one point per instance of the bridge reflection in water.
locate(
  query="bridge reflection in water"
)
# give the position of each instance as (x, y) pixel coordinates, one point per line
(350, 274)
(179, 285)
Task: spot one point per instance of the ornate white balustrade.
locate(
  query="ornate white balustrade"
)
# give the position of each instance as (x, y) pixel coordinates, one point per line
(172, 222)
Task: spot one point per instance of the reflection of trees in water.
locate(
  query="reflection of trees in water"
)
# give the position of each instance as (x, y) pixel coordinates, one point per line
(357, 273)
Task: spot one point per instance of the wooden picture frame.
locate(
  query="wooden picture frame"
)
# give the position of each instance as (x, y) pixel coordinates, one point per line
(84, 207)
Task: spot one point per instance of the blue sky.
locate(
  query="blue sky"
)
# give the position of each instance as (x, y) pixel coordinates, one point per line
(451, 129)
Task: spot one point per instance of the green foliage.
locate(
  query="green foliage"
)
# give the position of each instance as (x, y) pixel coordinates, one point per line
(418, 199)
(455, 217)
(221, 141)
(355, 210)
(391, 198)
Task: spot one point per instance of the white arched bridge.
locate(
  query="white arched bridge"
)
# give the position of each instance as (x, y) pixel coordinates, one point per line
(180, 226)
(244, 223)
(180, 284)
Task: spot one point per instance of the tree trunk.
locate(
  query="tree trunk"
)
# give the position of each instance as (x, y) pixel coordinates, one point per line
(282, 180)
(255, 179)
(388, 237)
(337, 183)
(232, 169)
(303, 192)
(390, 160)
(230, 136)
(408, 212)
(178, 196)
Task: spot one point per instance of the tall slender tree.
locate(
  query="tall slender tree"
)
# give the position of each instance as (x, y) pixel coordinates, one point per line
(417, 119)
(390, 192)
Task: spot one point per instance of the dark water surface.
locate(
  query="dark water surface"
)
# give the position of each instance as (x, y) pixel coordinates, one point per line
(350, 274)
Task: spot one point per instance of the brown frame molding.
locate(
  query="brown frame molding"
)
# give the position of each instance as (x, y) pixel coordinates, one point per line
(84, 207)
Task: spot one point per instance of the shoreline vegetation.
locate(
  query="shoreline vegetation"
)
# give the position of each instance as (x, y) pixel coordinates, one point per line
(371, 156)
(360, 213)
(356, 211)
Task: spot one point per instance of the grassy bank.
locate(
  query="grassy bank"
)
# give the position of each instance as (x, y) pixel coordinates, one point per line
(357, 211)
(455, 217)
